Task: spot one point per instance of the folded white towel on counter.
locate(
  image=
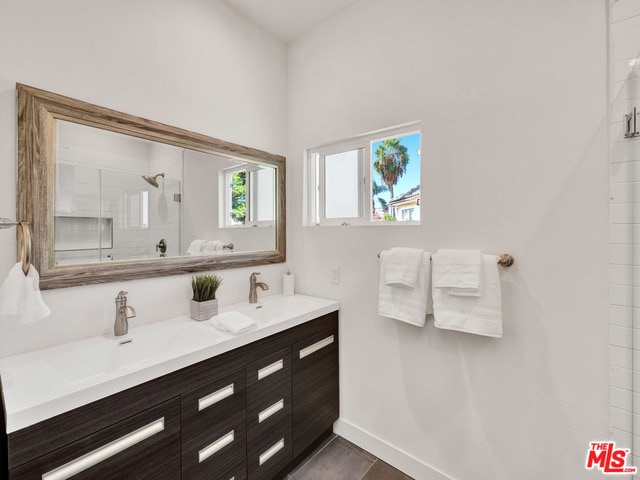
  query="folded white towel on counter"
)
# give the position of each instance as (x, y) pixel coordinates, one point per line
(459, 271)
(409, 305)
(234, 322)
(403, 267)
(481, 315)
(195, 247)
(34, 307)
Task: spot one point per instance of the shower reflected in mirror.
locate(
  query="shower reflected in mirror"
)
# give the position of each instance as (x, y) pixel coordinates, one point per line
(153, 180)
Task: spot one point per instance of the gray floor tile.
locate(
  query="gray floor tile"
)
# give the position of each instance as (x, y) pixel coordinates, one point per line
(338, 460)
(384, 471)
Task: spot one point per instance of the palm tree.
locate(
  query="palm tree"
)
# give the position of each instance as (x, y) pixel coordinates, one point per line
(391, 161)
(377, 190)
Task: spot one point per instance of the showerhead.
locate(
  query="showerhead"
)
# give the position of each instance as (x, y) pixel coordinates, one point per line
(153, 180)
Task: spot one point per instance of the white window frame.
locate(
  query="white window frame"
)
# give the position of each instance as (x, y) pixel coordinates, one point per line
(250, 197)
(314, 187)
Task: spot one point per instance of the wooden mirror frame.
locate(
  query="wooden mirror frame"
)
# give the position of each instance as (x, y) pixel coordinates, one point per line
(38, 111)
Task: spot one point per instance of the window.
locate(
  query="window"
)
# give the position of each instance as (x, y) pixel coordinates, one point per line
(372, 179)
(248, 196)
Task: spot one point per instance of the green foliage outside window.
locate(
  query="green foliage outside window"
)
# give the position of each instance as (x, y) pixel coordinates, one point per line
(239, 197)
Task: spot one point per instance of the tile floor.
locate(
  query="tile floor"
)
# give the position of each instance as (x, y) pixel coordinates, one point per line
(339, 459)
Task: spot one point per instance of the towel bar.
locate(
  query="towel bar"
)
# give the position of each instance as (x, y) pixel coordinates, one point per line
(505, 259)
(24, 241)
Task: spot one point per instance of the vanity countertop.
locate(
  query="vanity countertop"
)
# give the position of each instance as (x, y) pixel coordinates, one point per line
(41, 384)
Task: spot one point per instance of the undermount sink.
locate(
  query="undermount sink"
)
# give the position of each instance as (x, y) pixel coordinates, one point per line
(129, 350)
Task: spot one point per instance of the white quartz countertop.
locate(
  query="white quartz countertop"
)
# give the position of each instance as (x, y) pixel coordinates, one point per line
(41, 384)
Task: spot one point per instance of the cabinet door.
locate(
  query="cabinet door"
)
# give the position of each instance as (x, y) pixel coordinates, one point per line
(213, 430)
(145, 447)
(315, 388)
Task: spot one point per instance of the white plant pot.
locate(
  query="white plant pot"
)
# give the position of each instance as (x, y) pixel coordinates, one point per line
(201, 311)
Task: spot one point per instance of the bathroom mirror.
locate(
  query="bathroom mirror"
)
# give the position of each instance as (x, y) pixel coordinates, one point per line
(110, 196)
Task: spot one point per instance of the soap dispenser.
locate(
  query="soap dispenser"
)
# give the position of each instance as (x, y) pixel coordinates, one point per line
(288, 280)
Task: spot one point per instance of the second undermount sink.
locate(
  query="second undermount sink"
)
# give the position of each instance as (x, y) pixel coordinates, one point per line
(118, 353)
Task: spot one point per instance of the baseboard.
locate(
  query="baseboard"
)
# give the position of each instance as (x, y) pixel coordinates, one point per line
(388, 453)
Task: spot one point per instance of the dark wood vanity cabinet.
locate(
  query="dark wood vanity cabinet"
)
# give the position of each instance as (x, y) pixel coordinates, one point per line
(251, 413)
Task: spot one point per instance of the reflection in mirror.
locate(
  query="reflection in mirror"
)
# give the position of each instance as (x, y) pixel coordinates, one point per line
(110, 204)
(114, 197)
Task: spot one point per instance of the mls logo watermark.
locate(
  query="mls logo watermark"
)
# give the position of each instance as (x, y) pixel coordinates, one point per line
(608, 458)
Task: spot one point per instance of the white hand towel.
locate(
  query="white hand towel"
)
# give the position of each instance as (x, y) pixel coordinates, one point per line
(195, 247)
(403, 267)
(12, 291)
(459, 271)
(234, 322)
(480, 315)
(34, 307)
(409, 305)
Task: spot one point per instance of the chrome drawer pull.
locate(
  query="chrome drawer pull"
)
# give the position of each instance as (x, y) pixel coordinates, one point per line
(216, 446)
(316, 346)
(269, 369)
(215, 397)
(272, 451)
(101, 454)
(272, 410)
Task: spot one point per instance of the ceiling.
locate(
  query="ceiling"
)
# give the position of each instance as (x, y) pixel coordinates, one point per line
(288, 19)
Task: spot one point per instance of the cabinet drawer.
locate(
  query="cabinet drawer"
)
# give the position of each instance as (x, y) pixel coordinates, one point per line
(145, 446)
(269, 377)
(214, 429)
(270, 452)
(212, 404)
(264, 413)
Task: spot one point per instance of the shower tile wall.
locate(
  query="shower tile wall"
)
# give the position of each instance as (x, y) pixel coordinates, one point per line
(624, 228)
(92, 192)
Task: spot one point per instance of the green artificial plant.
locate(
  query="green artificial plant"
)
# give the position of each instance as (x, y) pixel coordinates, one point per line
(205, 286)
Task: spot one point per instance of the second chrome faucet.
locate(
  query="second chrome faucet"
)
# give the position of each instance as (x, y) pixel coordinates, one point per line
(253, 287)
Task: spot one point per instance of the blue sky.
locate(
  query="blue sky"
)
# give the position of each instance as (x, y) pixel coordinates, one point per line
(411, 177)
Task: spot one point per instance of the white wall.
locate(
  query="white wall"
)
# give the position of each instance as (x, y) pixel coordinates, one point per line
(513, 102)
(623, 230)
(197, 65)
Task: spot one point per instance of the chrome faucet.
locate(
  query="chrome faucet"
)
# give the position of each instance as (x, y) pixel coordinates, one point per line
(253, 285)
(123, 313)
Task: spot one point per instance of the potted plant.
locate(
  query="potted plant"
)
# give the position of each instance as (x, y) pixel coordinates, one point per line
(204, 303)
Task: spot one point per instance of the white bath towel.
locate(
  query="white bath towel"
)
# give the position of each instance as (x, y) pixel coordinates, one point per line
(234, 322)
(34, 307)
(195, 248)
(481, 315)
(12, 291)
(458, 270)
(409, 305)
(402, 267)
